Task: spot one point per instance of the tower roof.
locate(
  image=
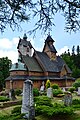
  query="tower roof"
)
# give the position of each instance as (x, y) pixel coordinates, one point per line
(24, 42)
(49, 41)
(49, 38)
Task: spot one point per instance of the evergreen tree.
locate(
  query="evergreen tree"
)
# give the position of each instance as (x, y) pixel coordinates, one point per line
(73, 61)
(5, 64)
(68, 52)
(78, 50)
(73, 50)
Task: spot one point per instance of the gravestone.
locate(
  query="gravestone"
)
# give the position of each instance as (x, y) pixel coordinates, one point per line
(11, 92)
(42, 87)
(49, 93)
(78, 90)
(27, 101)
(68, 99)
(63, 90)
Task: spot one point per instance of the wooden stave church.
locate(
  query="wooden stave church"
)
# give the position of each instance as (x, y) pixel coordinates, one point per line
(38, 67)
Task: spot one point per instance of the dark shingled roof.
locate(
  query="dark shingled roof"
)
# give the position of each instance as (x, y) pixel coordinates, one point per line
(52, 65)
(25, 77)
(17, 77)
(48, 64)
(52, 48)
(61, 63)
(31, 63)
(49, 38)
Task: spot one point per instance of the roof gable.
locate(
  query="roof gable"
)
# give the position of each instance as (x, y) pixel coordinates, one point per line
(52, 65)
(61, 64)
(49, 65)
(31, 63)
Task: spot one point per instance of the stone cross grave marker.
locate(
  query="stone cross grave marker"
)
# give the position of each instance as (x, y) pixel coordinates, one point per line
(27, 101)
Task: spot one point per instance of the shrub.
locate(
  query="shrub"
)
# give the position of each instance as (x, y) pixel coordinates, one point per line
(18, 92)
(35, 91)
(3, 99)
(48, 84)
(56, 92)
(19, 117)
(76, 84)
(43, 100)
(52, 111)
(75, 101)
(12, 117)
(72, 89)
(55, 86)
(16, 110)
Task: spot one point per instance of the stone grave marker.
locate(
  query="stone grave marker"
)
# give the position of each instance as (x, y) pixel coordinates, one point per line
(11, 92)
(27, 101)
(63, 89)
(78, 90)
(42, 87)
(68, 99)
(49, 93)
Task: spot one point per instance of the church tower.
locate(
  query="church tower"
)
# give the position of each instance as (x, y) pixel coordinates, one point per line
(24, 47)
(49, 48)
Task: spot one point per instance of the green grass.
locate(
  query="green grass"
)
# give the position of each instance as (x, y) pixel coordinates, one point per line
(5, 113)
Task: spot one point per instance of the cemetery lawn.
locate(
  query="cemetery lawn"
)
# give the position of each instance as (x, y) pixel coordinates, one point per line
(72, 117)
(7, 112)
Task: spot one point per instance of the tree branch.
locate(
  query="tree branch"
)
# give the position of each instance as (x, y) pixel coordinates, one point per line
(77, 5)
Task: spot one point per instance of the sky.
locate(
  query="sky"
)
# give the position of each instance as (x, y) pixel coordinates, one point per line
(63, 40)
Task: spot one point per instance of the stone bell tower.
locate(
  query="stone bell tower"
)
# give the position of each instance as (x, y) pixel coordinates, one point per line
(24, 47)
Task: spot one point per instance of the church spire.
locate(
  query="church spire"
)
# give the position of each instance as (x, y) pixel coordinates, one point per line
(49, 42)
(25, 36)
(49, 48)
(49, 39)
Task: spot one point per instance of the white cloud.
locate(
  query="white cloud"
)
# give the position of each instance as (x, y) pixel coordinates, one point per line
(8, 49)
(15, 41)
(62, 50)
(12, 55)
(5, 43)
